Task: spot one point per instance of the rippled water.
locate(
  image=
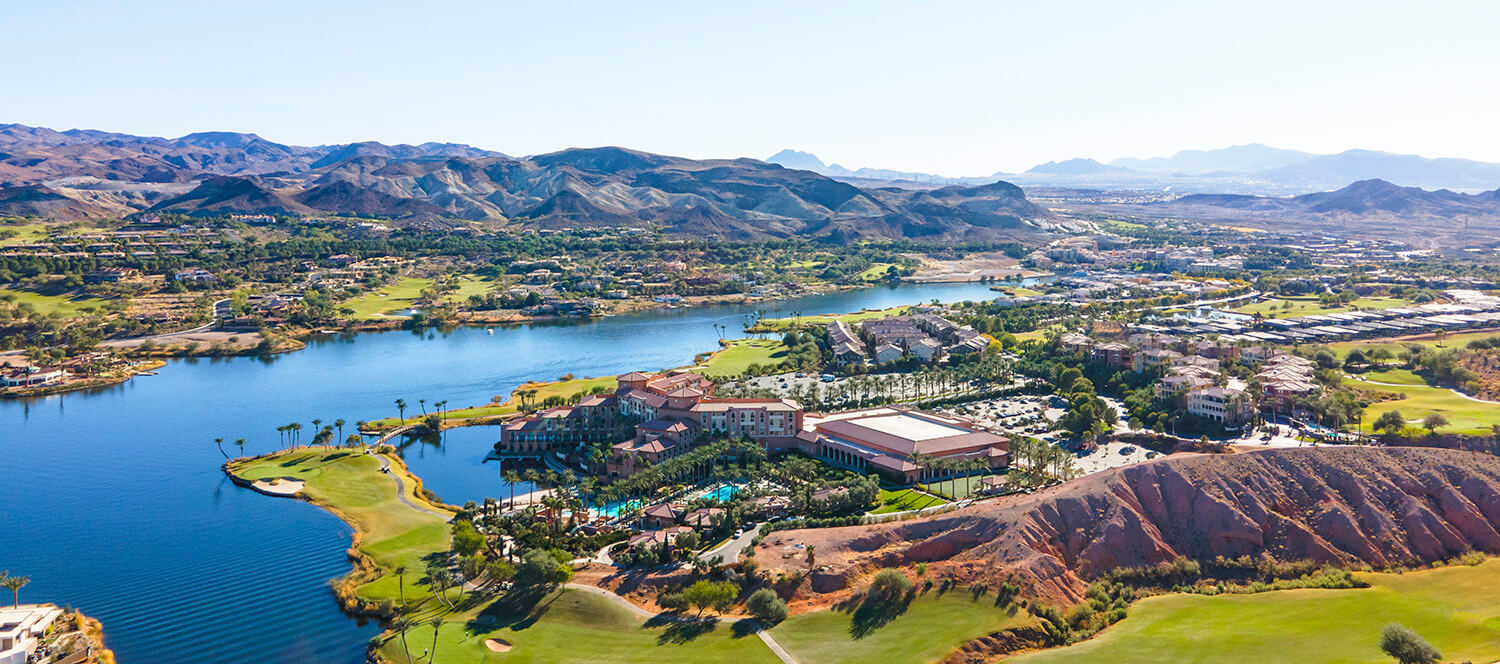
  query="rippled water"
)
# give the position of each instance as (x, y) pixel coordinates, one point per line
(113, 501)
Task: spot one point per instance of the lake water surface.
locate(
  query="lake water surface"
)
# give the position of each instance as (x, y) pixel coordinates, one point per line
(113, 501)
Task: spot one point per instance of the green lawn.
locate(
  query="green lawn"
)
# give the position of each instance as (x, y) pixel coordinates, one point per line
(1453, 607)
(931, 628)
(375, 304)
(1396, 376)
(736, 358)
(1342, 348)
(47, 304)
(824, 319)
(875, 272)
(903, 500)
(958, 487)
(351, 485)
(577, 626)
(11, 233)
(470, 285)
(562, 388)
(1309, 306)
(1464, 416)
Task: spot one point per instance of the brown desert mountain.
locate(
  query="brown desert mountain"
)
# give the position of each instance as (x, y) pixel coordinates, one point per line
(217, 173)
(1346, 506)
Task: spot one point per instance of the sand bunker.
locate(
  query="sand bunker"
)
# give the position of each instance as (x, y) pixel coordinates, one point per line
(496, 645)
(280, 486)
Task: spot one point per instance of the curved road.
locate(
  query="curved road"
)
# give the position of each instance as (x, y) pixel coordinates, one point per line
(385, 467)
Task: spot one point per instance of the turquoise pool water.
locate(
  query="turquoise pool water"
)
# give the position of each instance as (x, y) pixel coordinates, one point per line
(723, 493)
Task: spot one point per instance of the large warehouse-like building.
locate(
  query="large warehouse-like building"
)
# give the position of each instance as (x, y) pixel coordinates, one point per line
(891, 440)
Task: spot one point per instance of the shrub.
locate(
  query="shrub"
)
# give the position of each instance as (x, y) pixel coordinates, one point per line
(766, 605)
(1406, 646)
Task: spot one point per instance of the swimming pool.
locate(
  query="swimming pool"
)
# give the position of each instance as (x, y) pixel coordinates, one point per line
(723, 493)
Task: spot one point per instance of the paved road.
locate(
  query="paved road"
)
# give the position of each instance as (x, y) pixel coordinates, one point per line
(765, 636)
(731, 550)
(385, 467)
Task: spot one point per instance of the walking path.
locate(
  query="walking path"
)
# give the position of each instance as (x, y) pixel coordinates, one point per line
(765, 636)
(385, 467)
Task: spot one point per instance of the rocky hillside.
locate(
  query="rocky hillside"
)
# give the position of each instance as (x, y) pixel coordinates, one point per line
(222, 173)
(1345, 506)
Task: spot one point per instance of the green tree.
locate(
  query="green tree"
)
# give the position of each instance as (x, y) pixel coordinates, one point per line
(1390, 422)
(1433, 421)
(716, 595)
(1406, 646)
(766, 605)
(466, 539)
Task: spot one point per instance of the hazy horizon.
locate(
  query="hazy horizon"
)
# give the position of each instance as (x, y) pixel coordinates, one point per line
(954, 88)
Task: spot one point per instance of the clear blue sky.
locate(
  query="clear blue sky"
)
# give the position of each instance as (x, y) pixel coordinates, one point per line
(958, 88)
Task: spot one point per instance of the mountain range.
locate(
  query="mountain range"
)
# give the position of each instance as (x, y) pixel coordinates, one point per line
(1371, 208)
(1241, 169)
(94, 174)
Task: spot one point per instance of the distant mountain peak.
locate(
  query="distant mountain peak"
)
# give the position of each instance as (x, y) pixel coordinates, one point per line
(806, 161)
(1075, 166)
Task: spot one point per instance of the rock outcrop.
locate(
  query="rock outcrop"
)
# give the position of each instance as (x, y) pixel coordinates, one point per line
(1344, 506)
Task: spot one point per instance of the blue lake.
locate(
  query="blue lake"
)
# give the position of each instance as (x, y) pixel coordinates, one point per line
(113, 501)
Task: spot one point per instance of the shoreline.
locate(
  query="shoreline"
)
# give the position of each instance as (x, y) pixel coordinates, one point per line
(363, 567)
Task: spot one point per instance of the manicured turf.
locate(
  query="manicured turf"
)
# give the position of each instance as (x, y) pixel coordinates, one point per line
(470, 285)
(1396, 376)
(1452, 607)
(906, 499)
(875, 272)
(824, 319)
(736, 358)
(931, 628)
(47, 304)
(350, 484)
(1451, 341)
(562, 388)
(958, 487)
(399, 295)
(577, 626)
(1464, 415)
(21, 233)
(1310, 306)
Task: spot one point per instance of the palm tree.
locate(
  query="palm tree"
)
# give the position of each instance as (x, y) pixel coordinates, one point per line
(401, 583)
(401, 409)
(401, 624)
(281, 431)
(436, 624)
(511, 478)
(423, 404)
(240, 443)
(14, 584)
(339, 424)
(219, 442)
(296, 429)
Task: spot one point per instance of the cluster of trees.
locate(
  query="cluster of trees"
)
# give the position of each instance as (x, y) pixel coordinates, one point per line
(1088, 416)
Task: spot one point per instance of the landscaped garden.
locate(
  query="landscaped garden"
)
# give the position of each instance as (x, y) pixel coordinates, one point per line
(1453, 607)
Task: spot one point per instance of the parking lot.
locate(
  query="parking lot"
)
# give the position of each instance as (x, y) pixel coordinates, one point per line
(1021, 414)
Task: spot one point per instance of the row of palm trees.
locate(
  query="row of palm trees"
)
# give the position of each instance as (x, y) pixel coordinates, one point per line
(876, 389)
